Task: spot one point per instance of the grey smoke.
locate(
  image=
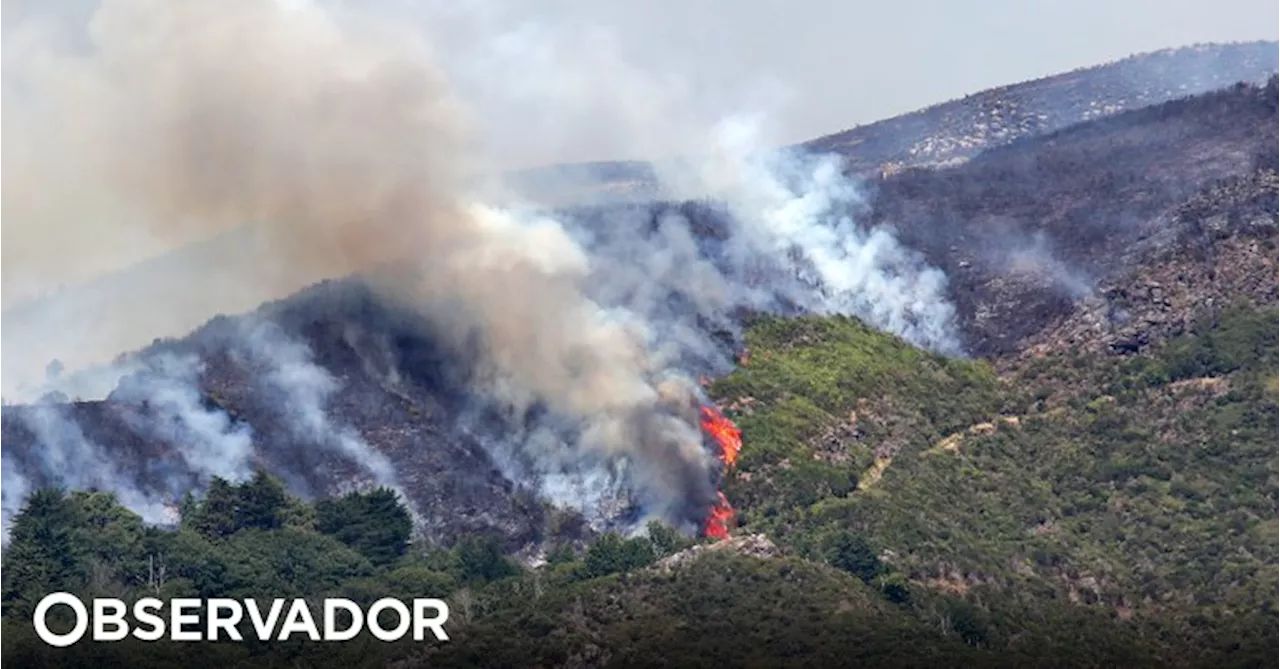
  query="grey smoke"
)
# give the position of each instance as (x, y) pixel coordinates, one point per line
(63, 456)
(14, 489)
(789, 202)
(303, 392)
(206, 438)
(1033, 257)
(779, 208)
(351, 151)
(161, 401)
(1037, 258)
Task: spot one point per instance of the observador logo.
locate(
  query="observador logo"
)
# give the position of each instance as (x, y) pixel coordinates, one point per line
(222, 617)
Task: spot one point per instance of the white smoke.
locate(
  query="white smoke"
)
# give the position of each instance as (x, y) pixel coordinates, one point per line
(62, 456)
(206, 438)
(1034, 258)
(349, 150)
(158, 399)
(303, 390)
(13, 493)
(786, 203)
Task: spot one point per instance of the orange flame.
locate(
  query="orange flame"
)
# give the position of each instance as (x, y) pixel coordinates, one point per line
(717, 526)
(728, 439)
(727, 435)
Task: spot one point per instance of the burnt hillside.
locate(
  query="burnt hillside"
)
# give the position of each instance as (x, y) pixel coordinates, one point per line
(957, 130)
(390, 387)
(961, 129)
(1025, 230)
(1024, 233)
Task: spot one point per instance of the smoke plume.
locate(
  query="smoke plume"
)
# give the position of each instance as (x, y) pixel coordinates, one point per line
(13, 492)
(64, 457)
(789, 202)
(302, 391)
(335, 134)
(207, 440)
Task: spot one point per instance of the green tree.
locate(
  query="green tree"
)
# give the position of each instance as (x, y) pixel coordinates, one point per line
(481, 558)
(666, 540)
(226, 509)
(850, 551)
(215, 515)
(262, 503)
(375, 523)
(43, 552)
(113, 539)
(611, 553)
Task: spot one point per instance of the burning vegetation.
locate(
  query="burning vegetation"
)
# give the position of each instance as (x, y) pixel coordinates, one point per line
(727, 436)
(728, 442)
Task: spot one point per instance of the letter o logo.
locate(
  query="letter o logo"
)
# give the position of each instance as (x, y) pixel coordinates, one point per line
(376, 628)
(61, 640)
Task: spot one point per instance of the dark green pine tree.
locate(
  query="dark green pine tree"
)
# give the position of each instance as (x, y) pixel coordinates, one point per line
(611, 553)
(262, 503)
(849, 551)
(481, 558)
(215, 516)
(373, 523)
(43, 554)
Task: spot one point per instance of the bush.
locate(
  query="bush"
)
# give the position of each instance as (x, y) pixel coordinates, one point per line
(481, 558)
(374, 523)
(612, 554)
(850, 552)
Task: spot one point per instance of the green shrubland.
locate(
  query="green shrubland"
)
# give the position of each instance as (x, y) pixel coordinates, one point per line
(1079, 510)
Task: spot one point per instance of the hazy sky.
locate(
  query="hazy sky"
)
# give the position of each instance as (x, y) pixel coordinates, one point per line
(568, 80)
(541, 81)
(845, 63)
(853, 62)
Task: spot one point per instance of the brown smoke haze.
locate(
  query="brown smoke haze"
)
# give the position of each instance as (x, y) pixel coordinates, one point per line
(189, 119)
(276, 144)
(336, 135)
(168, 123)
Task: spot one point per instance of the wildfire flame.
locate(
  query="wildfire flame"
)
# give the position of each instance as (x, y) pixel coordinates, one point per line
(717, 526)
(726, 435)
(728, 439)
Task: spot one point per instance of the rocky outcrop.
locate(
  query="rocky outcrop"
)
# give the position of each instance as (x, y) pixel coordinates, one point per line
(1222, 251)
(754, 545)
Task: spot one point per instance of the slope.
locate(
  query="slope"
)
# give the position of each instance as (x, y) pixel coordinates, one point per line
(955, 131)
(1026, 230)
(1141, 487)
(958, 130)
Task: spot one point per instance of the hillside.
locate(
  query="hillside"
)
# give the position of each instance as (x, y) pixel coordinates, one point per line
(955, 131)
(1025, 230)
(388, 385)
(1079, 510)
(1094, 484)
(960, 129)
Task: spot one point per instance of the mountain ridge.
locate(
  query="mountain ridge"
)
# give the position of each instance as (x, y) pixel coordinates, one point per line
(1094, 486)
(42, 327)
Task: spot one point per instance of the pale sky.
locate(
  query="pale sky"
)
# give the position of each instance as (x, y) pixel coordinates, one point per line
(846, 63)
(549, 81)
(568, 80)
(862, 61)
